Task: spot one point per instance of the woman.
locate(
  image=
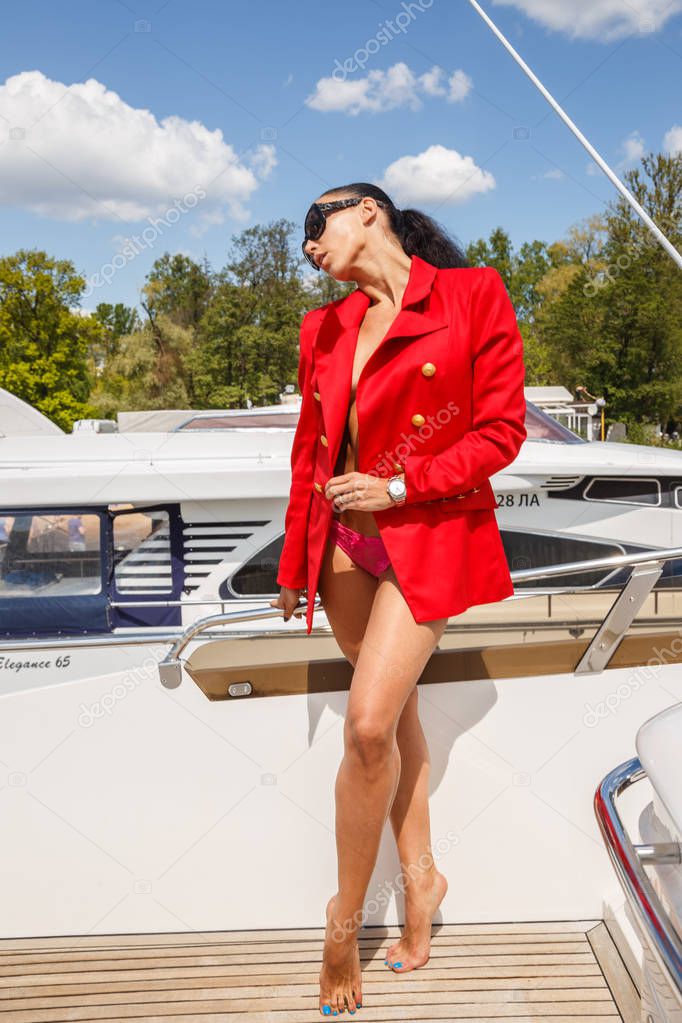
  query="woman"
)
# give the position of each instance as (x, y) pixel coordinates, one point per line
(396, 529)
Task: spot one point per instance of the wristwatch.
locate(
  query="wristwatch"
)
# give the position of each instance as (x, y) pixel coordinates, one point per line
(396, 489)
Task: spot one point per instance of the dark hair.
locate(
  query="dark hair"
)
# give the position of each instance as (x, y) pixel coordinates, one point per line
(418, 233)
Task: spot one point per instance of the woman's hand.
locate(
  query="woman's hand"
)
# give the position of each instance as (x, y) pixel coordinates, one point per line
(288, 600)
(359, 490)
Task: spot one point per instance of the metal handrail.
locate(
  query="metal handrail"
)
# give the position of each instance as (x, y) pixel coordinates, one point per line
(654, 556)
(663, 939)
(170, 668)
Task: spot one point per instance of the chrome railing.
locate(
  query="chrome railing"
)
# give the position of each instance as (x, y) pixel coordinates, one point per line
(628, 860)
(170, 668)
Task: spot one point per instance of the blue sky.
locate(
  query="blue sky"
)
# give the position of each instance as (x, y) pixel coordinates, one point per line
(130, 128)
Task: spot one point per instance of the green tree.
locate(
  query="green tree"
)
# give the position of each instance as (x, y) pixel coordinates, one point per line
(117, 321)
(44, 338)
(147, 371)
(179, 288)
(614, 321)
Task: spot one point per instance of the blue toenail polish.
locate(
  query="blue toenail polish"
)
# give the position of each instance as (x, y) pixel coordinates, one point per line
(397, 965)
(326, 1010)
(385, 962)
(335, 1013)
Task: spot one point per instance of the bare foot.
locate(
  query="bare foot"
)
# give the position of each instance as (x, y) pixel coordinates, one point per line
(422, 899)
(340, 976)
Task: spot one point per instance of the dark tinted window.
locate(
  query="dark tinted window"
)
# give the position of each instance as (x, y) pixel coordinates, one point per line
(536, 550)
(629, 490)
(258, 576)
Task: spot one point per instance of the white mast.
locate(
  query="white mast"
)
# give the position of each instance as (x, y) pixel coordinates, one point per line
(653, 227)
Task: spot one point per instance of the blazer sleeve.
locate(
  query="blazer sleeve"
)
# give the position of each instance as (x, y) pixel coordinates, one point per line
(498, 402)
(292, 570)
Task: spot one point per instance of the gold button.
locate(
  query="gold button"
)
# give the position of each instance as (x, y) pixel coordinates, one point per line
(459, 496)
(418, 419)
(316, 395)
(318, 487)
(324, 440)
(398, 466)
(428, 369)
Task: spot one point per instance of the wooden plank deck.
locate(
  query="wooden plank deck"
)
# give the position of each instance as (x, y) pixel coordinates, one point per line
(563, 972)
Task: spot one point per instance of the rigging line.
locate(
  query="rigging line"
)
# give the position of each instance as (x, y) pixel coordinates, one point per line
(615, 180)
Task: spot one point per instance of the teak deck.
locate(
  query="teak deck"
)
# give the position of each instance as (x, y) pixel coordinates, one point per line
(565, 972)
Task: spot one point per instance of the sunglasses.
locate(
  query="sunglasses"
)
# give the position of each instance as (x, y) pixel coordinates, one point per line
(316, 221)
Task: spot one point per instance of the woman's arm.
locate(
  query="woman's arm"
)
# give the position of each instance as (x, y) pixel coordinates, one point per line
(499, 405)
(292, 571)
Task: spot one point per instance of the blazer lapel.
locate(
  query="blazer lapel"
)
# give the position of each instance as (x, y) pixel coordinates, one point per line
(336, 339)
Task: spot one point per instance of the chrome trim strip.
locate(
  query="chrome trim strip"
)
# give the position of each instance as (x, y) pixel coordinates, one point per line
(661, 936)
(661, 554)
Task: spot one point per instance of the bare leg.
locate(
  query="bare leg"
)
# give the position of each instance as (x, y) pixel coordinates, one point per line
(424, 886)
(393, 653)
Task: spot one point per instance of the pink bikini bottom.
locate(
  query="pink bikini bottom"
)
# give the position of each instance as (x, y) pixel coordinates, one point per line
(367, 552)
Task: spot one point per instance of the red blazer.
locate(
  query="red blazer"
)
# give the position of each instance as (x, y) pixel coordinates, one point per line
(442, 398)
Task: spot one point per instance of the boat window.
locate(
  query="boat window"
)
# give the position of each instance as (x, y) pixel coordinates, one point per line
(286, 420)
(627, 489)
(541, 426)
(257, 577)
(49, 555)
(527, 550)
(142, 552)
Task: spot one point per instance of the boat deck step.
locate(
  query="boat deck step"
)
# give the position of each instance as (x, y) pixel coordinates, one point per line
(558, 971)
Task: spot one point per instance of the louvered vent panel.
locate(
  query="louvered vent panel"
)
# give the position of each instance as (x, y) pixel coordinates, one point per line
(147, 568)
(206, 544)
(561, 482)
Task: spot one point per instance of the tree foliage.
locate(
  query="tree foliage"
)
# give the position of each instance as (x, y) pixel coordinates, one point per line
(44, 340)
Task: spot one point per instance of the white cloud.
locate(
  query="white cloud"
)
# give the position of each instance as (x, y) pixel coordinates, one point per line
(633, 149)
(555, 174)
(432, 81)
(82, 152)
(672, 141)
(379, 91)
(460, 86)
(604, 20)
(436, 176)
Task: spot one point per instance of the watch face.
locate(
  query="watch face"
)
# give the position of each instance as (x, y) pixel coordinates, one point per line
(396, 488)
